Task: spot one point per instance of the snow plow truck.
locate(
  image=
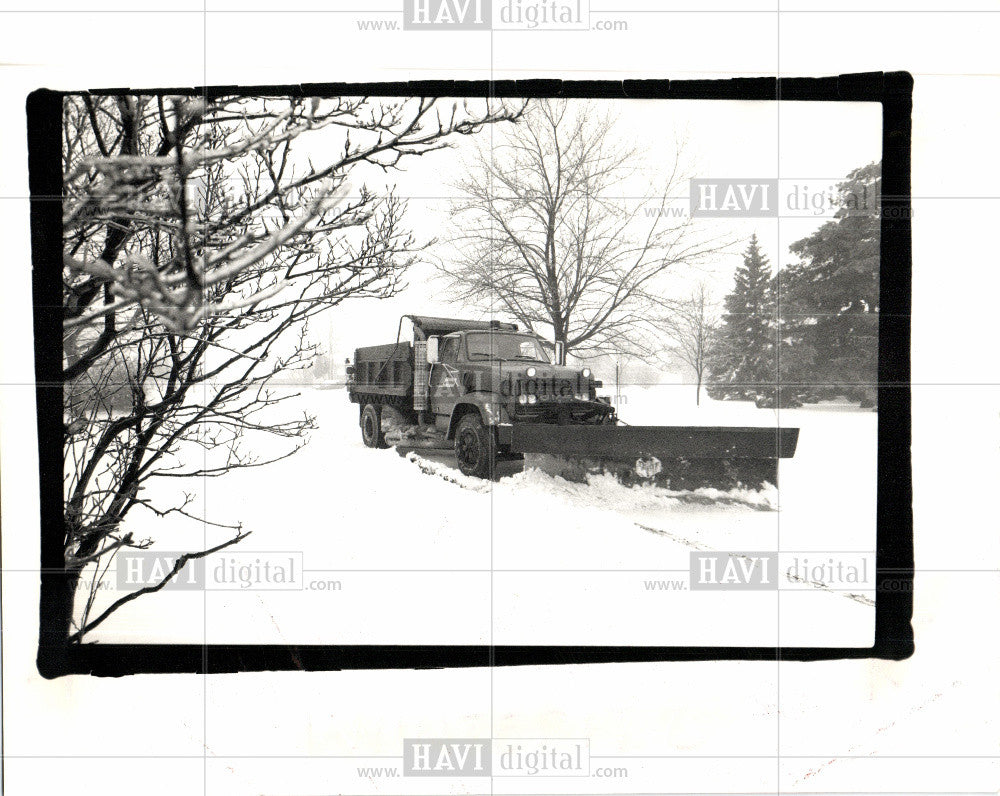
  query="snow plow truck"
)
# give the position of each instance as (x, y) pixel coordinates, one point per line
(492, 392)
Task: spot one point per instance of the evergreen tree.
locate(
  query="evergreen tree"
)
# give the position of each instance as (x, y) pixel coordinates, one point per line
(829, 300)
(742, 363)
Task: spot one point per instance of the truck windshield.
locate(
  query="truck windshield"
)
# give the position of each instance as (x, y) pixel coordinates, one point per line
(486, 345)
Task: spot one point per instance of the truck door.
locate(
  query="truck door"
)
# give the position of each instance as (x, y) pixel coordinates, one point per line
(445, 388)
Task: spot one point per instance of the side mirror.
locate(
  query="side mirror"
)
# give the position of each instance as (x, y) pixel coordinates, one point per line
(560, 352)
(432, 350)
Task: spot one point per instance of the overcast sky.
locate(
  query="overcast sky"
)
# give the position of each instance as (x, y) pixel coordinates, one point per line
(813, 143)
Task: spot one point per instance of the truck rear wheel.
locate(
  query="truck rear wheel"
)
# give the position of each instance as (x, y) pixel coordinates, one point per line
(475, 447)
(371, 427)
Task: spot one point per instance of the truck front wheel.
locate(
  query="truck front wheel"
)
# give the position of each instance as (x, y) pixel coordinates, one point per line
(371, 427)
(475, 447)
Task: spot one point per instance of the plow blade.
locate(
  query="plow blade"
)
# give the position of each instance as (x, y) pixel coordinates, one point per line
(673, 457)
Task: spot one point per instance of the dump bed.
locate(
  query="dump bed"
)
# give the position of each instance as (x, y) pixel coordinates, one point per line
(383, 370)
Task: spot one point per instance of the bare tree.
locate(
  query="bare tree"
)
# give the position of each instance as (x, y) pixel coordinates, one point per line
(687, 326)
(543, 235)
(197, 246)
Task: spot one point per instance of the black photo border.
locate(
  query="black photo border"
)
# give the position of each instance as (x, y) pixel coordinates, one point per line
(894, 543)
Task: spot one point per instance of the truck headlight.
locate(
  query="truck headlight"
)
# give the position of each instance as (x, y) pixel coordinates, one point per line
(522, 399)
(532, 399)
(586, 373)
(531, 372)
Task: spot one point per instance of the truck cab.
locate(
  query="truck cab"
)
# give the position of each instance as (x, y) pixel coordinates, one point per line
(506, 376)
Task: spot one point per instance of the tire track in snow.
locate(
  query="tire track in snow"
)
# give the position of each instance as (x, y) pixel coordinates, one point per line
(453, 476)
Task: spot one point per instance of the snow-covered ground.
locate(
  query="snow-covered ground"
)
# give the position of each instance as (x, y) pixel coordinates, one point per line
(406, 550)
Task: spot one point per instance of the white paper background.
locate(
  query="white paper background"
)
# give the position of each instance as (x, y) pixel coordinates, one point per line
(923, 725)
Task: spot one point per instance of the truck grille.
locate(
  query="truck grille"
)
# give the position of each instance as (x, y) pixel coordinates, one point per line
(562, 412)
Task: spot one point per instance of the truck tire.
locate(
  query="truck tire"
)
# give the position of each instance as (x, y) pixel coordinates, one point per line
(371, 427)
(475, 447)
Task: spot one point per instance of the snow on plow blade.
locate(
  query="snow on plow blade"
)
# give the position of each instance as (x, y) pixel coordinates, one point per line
(674, 457)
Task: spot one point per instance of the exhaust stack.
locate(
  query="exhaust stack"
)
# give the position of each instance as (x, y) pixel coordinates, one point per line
(421, 376)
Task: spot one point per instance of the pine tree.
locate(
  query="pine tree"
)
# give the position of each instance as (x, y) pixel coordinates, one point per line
(829, 300)
(743, 357)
